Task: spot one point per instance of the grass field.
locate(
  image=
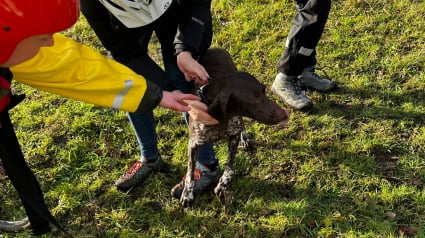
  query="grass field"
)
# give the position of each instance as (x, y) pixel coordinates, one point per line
(353, 167)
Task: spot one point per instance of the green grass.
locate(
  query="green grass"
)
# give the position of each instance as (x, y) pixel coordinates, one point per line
(353, 167)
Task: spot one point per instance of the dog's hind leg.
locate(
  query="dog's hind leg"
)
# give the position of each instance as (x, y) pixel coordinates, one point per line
(226, 178)
(187, 196)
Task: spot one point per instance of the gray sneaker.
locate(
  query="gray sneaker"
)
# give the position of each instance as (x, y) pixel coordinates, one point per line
(205, 179)
(288, 89)
(137, 173)
(310, 79)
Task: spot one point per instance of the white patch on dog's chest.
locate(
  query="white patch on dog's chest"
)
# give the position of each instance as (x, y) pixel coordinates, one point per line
(202, 134)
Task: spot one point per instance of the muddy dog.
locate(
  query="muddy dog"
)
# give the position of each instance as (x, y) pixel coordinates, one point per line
(231, 95)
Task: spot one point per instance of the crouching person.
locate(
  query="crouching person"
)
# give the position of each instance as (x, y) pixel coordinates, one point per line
(31, 53)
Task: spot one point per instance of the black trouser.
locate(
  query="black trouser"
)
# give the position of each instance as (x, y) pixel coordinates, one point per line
(22, 177)
(304, 35)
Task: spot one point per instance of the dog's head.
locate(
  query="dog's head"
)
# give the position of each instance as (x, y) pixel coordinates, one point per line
(218, 62)
(241, 94)
(235, 93)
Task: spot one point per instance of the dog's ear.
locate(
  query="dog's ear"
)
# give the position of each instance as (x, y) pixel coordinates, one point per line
(217, 62)
(218, 107)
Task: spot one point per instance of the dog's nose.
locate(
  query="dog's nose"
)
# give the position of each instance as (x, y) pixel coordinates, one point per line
(284, 122)
(288, 115)
(285, 119)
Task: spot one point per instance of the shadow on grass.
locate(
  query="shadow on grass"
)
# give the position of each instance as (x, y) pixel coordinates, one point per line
(391, 111)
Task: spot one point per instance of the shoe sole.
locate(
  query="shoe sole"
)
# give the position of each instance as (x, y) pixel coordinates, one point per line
(306, 108)
(304, 86)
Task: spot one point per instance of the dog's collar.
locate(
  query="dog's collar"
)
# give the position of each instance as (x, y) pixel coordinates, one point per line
(199, 92)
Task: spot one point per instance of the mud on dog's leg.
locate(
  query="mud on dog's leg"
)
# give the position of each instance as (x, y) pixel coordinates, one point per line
(187, 196)
(228, 173)
(245, 142)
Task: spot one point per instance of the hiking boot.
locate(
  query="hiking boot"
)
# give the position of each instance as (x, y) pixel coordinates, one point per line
(288, 89)
(205, 180)
(310, 79)
(137, 173)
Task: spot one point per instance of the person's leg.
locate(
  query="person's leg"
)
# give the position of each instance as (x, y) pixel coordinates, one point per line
(129, 47)
(22, 177)
(291, 64)
(144, 126)
(310, 37)
(306, 30)
(150, 160)
(299, 57)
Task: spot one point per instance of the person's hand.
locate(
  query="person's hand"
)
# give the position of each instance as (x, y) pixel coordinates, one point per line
(198, 112)
(191, 69)
(180, 102)
(176, 101)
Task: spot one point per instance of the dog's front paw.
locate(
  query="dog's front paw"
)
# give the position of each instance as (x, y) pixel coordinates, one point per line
(186, 201)
(220, 191)
(187, 196)
(223, 183)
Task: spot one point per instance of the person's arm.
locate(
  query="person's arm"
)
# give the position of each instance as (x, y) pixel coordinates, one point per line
(75, 71)
(193, 38)
(123, 44)
(194, 33)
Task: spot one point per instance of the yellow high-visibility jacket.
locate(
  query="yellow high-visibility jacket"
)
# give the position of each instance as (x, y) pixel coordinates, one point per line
(73, 70)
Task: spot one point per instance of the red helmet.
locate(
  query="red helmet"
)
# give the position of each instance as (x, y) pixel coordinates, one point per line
(20, 19)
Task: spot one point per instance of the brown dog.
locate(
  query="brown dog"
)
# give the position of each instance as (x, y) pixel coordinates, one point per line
(231, 95)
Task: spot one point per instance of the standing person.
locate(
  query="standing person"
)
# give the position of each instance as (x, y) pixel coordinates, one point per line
(32, 54)
(184, 31)
(296, 67)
